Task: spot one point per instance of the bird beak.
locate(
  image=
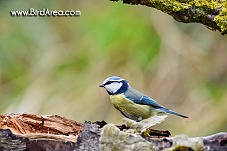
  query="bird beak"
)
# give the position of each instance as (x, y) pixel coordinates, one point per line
(101, 85)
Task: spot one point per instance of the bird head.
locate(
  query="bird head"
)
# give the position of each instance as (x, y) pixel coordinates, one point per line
(115, 85)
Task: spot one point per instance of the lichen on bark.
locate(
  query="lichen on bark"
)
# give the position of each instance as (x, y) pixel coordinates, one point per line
(212, 13)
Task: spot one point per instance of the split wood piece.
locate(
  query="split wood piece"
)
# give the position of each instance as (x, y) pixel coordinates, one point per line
(41, 127)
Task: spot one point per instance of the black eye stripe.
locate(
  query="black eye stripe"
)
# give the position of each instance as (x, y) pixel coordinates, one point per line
(109, 82)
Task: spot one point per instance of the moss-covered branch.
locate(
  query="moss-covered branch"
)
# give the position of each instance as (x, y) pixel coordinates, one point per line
(212, 13)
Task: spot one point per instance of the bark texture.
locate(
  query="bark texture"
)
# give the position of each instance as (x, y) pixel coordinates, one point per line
(23, 132)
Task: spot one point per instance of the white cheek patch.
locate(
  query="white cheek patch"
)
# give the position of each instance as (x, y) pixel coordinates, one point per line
(113, 87)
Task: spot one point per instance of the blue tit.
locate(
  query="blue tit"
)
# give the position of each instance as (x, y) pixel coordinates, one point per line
(132, 103)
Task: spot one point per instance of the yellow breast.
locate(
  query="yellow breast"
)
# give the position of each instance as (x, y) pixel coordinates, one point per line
(129, 108)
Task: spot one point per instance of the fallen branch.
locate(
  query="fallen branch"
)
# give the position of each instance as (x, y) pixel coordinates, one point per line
(34, 132)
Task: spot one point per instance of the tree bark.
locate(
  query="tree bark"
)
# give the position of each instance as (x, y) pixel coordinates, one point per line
(19, 132)
(211, 13)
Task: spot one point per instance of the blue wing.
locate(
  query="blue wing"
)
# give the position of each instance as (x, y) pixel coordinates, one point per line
(140, 98)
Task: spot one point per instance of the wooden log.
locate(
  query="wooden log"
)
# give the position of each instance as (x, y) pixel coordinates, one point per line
(19, 132)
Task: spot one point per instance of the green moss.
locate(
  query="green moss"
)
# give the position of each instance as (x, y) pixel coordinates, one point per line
(212, 13)
(201, 10)
(169, 6)
(221, 19)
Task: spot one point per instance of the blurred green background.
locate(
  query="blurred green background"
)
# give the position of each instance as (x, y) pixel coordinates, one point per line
(54, 65)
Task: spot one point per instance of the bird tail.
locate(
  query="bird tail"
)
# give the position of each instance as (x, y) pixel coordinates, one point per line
(173, 112)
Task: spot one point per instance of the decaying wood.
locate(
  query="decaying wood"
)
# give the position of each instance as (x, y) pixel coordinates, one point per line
(36, 126)
(46, 133)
